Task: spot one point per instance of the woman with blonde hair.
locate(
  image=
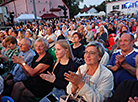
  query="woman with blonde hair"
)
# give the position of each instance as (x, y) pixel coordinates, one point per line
(34, 86)
(63, 64)
(64, 31)
(70, 33)
(20, 36)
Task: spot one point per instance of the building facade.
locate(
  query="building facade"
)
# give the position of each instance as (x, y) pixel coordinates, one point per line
(42, 7)
(124, 6)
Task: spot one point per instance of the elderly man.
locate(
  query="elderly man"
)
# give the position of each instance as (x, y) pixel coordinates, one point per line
(50, 37)
(17, 74)
(122, 61)
(126, 91)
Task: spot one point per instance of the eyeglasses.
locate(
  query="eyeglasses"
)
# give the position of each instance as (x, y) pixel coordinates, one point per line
(39, 46)
(90, 53)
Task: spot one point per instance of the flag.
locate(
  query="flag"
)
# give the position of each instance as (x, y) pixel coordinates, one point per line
(43, 9)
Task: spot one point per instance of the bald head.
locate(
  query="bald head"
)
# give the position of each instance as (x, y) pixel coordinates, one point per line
(25, 44)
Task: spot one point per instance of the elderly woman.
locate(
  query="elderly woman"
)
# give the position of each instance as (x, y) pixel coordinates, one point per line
(34, 85)
(13, 49)
(93, 81)
(89, 34)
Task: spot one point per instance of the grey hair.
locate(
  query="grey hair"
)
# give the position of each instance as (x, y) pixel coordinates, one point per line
(89, 27)
(44, 41)
(30, 42)
(99, 47)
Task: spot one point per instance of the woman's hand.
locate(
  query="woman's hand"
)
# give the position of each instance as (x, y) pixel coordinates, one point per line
(133, 100)
(17, 59)
(48, 77)
(74, 78)
(74, 89)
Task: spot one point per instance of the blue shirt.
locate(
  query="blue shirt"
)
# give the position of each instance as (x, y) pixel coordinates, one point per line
(17, 72)
(121, 74)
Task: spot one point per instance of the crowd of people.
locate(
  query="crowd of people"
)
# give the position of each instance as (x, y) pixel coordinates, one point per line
(94, 58)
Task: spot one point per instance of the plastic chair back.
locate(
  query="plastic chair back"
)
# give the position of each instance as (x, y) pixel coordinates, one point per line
(6, 99)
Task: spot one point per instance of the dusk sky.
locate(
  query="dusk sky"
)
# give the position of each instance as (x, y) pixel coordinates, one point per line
(90, 2)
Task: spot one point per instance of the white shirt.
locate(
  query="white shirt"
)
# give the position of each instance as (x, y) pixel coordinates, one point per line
(57, 32)
(100, 85)
(52, 37)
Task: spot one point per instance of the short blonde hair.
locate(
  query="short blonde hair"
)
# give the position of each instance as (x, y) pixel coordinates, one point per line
(44, 41)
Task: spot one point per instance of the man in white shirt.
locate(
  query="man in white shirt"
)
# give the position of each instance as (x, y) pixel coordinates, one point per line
(50, 37)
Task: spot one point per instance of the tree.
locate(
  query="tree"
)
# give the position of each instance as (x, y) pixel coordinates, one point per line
(74, 6)
(101, 7)
(85, 6)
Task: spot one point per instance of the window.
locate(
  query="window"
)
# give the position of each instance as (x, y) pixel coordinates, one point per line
(115, 7)
(123, 6)
(38, 1)
(46, 1)
(39, 11)
(30, 0)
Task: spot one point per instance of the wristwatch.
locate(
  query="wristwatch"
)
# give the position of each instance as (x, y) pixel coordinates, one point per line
(23, 64)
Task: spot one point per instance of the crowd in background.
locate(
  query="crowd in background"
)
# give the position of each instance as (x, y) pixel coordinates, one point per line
(40, 58)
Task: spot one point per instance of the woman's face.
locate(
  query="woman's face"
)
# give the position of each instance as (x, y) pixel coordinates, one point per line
(11, 46)
(71, 27)
(39, 47)
(75, 38)
(101, 29)
(124, 29)
(60, 51)
(91, 55)
(64, 28)
(92, 25)
(87, 28)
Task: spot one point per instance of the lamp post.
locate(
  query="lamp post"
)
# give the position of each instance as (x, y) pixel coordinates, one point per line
(105, 8)
(34, 10)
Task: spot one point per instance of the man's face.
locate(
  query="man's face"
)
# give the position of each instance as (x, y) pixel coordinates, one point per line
(125, 43)
(24, 45)
(49, 31)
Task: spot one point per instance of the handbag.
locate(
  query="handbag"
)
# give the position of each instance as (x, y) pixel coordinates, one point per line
(69, 98)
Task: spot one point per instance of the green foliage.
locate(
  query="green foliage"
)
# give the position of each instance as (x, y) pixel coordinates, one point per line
(101, 7)
(74, 6)
(85, 6)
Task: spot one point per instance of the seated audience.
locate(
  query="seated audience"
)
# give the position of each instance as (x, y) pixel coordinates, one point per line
(77, 48)
(89, 34)
(63, 64)
(127, 90)
(122, 61)
(6, 58)
(34, 86)
(17, 74)
(50, 37)
(93, 81)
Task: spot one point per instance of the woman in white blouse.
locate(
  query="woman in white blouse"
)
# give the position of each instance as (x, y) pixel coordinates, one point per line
(93, 81)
